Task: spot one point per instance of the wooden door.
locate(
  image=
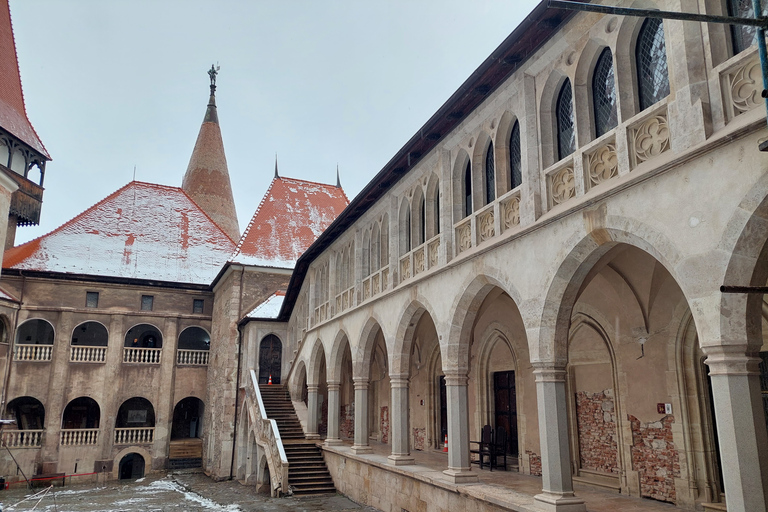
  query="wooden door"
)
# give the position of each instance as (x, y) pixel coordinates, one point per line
(505, 401)
(270, 359)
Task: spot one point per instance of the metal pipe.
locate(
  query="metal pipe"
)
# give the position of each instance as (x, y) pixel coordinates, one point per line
(758, 8)
(655, 13)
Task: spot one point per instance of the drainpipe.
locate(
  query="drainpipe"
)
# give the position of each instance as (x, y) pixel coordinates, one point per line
(11, 345)
(237, 401)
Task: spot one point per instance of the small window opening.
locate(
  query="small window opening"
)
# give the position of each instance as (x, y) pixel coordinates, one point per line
(468, 190)
(197, 305)
(91, 299)
(147, 302)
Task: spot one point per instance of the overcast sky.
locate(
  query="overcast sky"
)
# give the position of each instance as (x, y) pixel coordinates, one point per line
(110, 85)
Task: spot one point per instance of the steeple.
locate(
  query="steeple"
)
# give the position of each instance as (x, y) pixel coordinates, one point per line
(338, 180)
(207, 178)
(276, 174)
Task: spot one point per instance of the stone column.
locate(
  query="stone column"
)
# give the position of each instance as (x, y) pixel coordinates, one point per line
(401, 453)
(333, 437)
(557, 484)
(361, 418)
(458, 429)
(312, 412)
(740, 426)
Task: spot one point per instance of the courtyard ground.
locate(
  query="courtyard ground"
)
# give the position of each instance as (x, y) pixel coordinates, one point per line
(183, 492)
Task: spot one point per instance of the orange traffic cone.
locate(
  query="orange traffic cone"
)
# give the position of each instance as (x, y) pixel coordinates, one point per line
(445, 447)
(270, 380)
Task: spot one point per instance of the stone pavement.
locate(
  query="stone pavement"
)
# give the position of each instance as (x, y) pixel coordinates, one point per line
(182, 492)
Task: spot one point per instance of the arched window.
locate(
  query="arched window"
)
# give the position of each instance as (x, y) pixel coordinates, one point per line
(405, 227)
(515, 157)
(490, 175)
(742, 36)
(422, 220)
(437, 212)
(375, 252)
(194, 338)
(28, 412)
(91, 334)
(468, 190)
(35, 332)
(135, 412)
(143, 336)
(566, 135)
(604, 94)
(80, 413)
(651, 58)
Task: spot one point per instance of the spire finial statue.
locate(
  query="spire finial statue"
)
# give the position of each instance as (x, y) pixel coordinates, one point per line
(212, 73)
(276, 174)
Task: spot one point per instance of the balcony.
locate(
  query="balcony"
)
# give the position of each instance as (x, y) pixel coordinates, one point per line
(36, 353)
(375, 283)
(192, 357)
(345, 300)
(79, 437)
(422, 258)
(141, 435)
(23, 438)
(142, 355)
(82, 354)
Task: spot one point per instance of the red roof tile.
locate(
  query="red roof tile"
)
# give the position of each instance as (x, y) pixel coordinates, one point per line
(142, 231)
(13, 115)
(291, 216)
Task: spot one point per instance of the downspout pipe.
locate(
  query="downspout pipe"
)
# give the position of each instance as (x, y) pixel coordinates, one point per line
(237, 399)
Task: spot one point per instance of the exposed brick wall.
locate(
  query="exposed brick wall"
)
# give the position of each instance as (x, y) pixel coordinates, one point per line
(419, 438)
(534, 460)
(596, 419)
(384, 425)
(655, 458)
(347, 421)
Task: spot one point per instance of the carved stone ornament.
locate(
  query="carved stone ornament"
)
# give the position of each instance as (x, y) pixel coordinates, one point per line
(603, 164)
(512, 213)
(486, 226)
(651, 138)
(367, 289)
(418, 261)
(433, 248)
(563, 186)
(405, 268)
(464, 233)
(375, 284)
(745, 87)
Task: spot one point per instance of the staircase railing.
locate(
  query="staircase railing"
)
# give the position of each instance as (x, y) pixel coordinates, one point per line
(267, 435)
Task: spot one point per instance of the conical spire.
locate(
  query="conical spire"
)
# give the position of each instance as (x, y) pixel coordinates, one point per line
(207, 178)
(276, 173)
(338, 180)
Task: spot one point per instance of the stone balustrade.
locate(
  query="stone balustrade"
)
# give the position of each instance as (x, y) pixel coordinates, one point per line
(23, 438)
(192, 357)
(141, 435)
(79, 437)
(37, 353)
(84, 354)
(142, 355)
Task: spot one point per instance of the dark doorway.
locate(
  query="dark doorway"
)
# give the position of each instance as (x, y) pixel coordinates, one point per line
(443, 412)
(132, 467)
(81, 412)
(270, 359)
(505, 404)
(187, 419)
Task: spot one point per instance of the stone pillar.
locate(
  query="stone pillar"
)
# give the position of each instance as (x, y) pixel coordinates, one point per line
(401, 453)
(361, 418)
(333, 437)
(741, 428)
(458, 429)
(312, 412)
(557, 484)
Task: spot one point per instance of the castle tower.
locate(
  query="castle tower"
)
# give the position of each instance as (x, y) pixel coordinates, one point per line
(207, 178)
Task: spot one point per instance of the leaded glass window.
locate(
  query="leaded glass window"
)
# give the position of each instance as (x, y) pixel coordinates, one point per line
(490, 175)
(651, 58)
(604, 94)
(515, 157)
(566, 135)
(743, 37)
(468, 190)
(422, 221)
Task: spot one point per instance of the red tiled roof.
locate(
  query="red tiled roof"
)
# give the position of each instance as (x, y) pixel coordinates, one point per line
(141, 231)
(291, 216)
(13, 115)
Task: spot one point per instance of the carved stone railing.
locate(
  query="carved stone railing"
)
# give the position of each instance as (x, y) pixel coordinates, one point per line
(321, 313)
(486, 223)
(267, 436)
(649, 136)
(37, 353)
(509, 211)
(742, 83)
(375, 283)
(142, 355)
(192, 357)
(433, 251)
(405, 267)
(463, 230)
(345, 300)
(419, 259)
(85, 354)
(561, 183)
(141, 435)
(79, 437)
(601, 163)
(23, 438)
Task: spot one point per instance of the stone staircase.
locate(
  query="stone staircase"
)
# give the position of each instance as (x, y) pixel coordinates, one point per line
(307, 473)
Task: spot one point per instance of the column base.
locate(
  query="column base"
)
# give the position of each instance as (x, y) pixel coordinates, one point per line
(333, 442)
(401, 460)
(559, 502)
(460, 476)
(360, 449)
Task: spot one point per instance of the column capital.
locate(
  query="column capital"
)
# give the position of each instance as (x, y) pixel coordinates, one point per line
(398, 381)
(456, 379)
(333, 385)
(361, 384)
(312, 388)
(731, 360)
(549, 372)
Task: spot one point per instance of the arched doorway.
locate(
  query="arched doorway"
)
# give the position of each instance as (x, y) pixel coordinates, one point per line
(186, 447)
(131, 467)
(270, 359)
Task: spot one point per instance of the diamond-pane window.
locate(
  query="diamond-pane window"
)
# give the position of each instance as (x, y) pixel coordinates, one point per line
(515, 157)
(490, 175)
(566, 136)
(743, 37)
(468, 190)
(604, 94)
(651, 58)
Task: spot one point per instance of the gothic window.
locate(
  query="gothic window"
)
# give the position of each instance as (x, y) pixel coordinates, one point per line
(515, 157)
(468, 190)
(566, 136)
(651, 59)
(741, 36)
(490, 175)
(422, 220)
(437, 210)
(604, 94)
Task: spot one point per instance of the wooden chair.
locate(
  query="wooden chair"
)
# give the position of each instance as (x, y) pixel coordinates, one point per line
(499, 448)
(485, 446)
